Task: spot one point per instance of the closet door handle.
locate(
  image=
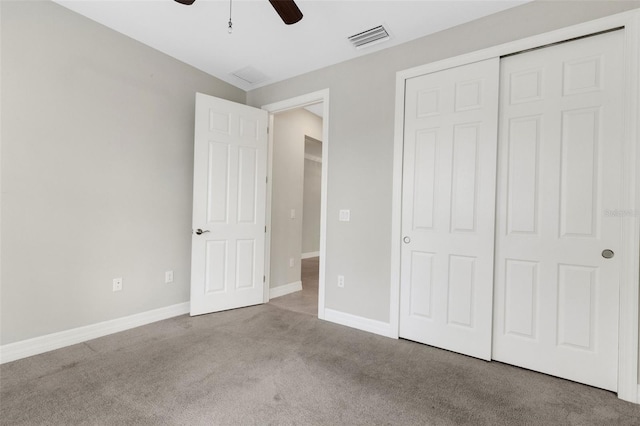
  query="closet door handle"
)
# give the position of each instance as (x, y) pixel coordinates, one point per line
(406, 240)
(200, 231)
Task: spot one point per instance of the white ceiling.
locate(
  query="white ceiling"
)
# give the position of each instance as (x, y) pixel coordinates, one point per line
(197, 34)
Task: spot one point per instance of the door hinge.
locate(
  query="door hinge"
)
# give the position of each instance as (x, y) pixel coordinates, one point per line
(266, 179)
(264, 279)
(267, 129)
(265, 229)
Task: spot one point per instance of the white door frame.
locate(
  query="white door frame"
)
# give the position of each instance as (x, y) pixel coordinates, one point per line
(272, 109)
(628, 388)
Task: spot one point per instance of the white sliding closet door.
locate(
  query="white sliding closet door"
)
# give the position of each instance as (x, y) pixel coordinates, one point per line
(560, 168)
(448, 208)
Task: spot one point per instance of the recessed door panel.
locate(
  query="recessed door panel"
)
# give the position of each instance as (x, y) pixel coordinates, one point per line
(525, 86)
(461, 288)
(421, 280)
(579, 172)
(249, 129)
(521, 288)
(582, 75)
(216, 267)
(219, 121)
(247, 184)
(523, 173)
(428, 103)
(425, 179)
(218, 183)
(464, 183)
(576, 303)
(245, 264)
(468, 95)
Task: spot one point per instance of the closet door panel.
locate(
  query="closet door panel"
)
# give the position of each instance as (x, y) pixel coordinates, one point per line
(561, 156)
(449, 208)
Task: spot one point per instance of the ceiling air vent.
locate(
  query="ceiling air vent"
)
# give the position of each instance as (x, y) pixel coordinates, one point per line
(369, 37)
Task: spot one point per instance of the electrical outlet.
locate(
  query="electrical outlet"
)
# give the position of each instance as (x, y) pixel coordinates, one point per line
(291, 262)
(293, 214)
(117, 284)
(341, 281)
(168, 277)
(344, 216)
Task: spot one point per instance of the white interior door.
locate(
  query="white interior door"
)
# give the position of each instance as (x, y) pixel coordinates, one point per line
(560, 172)
(229, 205)
(448, 208)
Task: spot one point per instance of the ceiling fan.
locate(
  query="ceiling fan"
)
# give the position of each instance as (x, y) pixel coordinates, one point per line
(287, 9)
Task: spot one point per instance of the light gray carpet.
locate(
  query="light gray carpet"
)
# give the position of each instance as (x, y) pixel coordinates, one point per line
(267, 365)
(305, 301)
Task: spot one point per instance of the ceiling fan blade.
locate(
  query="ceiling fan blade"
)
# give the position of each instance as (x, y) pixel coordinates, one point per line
(186, 2)
(287, 9)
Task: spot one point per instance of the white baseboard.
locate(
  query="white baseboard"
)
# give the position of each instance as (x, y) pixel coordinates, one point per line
(638, 397)
(310, 254)
(49, 342)
(361, 323)
(282, 290)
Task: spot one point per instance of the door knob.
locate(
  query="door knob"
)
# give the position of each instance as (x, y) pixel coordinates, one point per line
(607, 254)
(200, 231)
(406, 240)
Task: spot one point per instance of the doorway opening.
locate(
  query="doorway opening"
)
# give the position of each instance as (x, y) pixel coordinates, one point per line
(296, 203)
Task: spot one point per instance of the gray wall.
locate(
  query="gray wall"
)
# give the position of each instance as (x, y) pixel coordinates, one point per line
(361, 139)
(289, 131)
(311, 197)
(97, 163)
